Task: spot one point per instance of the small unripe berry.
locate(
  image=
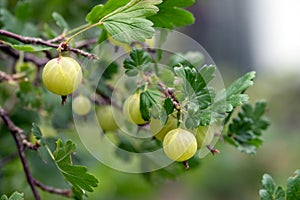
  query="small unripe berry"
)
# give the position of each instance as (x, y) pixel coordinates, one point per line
(131, 109)
(204, 135)
(106, 118)
(62, 75)
(159, 131)
(81, 105)
(180, 145)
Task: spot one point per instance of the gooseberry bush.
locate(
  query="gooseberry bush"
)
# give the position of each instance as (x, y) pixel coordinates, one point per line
(115, 71)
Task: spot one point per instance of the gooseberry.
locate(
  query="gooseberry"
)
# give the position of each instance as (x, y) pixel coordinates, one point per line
(204, 135)
(81, 105)
(159, 131)
(180, 145)
(131, 109)
(106, 119)
(62, 75)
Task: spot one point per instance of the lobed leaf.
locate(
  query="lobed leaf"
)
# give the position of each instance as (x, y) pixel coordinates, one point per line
(171, 13)
(293, 187)
(36, 131)
(126, 20)
(60, 21)
(14, 196)
(77, 175)
(139, 60)
(99, 11)
(246, 129)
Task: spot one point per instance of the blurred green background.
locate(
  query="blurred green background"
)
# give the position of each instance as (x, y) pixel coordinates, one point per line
(239, 37)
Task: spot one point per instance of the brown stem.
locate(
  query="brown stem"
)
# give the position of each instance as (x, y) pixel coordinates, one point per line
(186, 164)
(170, 94)
(63, 192)
(39, 41)
(15, 131)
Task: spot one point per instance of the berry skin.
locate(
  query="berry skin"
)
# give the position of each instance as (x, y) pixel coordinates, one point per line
(131, 109)
(180, 145)
(62, 75)
(81, 105)
(159, 131)
(106, 119)
(204, 136)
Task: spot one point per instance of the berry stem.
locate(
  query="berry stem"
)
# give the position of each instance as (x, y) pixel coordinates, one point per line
(186, 165)
(63, 100)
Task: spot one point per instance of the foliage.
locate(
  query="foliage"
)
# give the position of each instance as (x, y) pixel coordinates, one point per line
(246, 129)
(270, 191)
(75, 174)
(182, 88)
(14, 196)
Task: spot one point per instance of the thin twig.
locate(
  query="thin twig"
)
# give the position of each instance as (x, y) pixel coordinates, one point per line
(63, 192)
(16, 131)
(39, 41)
(10, 77)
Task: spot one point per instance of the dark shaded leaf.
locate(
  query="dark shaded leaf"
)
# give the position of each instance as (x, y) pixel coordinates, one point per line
(293, 187)
(139, 60)
(246, 129)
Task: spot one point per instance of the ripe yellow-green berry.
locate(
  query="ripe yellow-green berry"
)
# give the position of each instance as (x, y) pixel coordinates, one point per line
(106, 118)
(204, 135)
(159, 131)
(180, 145)
(62, 75)
(81, 105)
(131, 109)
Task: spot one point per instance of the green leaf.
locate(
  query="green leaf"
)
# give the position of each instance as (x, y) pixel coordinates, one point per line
(60, 21)
(129, 23)
(29, 48)
(199, 96)
(190, 58)
(22, 11)
(268, 188)
(268, 183)
(111, 70)
(14, 196)
(29, 96)
(246, 129)
(293, 187)
(171, 13)
(77, 175)
(99, 11)
(234, 96)
(195, 87)
(139, 60)
(36, 131)
(168, 106)
(13, 24)
(208, 72)
(279, 193)
(145, 104)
